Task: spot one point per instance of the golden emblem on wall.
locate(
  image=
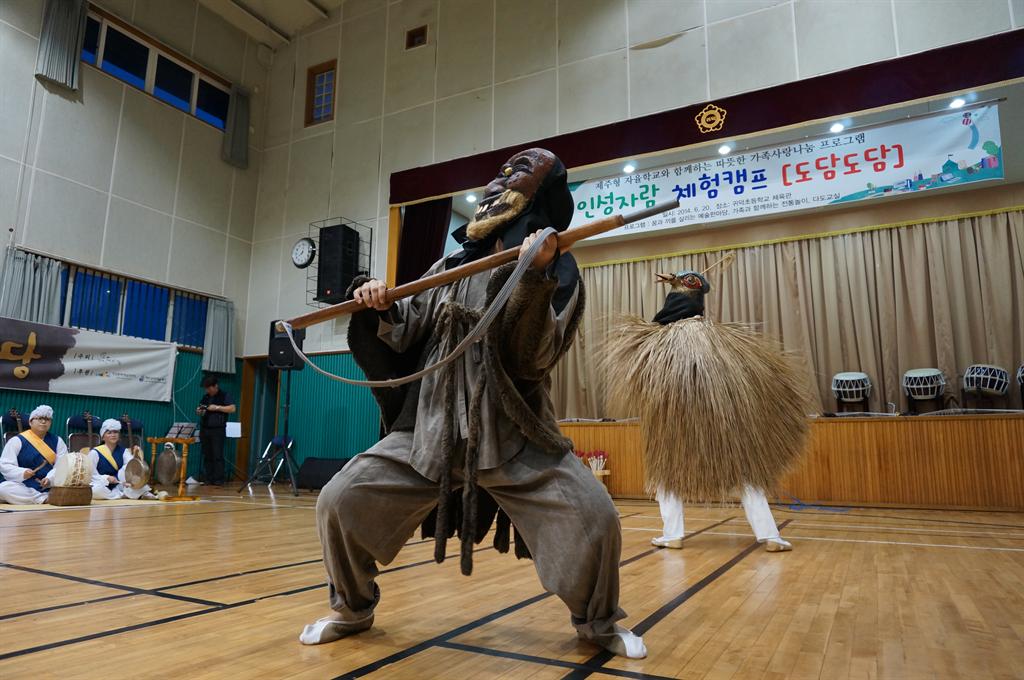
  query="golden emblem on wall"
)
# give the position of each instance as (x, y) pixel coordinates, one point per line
(710, 119)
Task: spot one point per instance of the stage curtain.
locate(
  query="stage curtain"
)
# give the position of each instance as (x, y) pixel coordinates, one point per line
(882, 301)
(424, 230)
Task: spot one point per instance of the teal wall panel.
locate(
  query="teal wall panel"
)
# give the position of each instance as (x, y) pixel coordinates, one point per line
(329, 419)
(157, 416)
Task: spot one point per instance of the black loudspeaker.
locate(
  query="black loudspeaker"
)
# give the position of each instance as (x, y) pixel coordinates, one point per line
(338, 262)
(280, 354)
(315, 472)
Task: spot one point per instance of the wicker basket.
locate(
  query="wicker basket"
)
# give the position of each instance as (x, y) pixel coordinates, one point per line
(70, 495)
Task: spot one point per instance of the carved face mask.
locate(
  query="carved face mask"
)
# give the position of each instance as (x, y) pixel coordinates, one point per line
(508, 194)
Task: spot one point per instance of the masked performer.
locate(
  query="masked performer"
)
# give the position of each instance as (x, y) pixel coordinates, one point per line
(108, 464)
(722, 409)
(685, 301)
(27, 460)
(484, 423)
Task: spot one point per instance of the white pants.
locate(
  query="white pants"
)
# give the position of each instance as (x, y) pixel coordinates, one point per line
(755, 505)
(17, 493)
(101, 492)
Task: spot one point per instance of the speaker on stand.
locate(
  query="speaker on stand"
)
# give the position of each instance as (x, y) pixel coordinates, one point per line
(281, 356)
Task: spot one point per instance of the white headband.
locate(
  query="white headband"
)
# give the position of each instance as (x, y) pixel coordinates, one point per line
(41, 411)
(110, 424)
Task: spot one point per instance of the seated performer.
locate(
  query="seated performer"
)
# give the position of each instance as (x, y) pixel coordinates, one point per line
(484, 422)
(686, 300)
(108, 462)
(27, 460)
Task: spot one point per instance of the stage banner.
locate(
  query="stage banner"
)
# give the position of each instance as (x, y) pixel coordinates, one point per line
(932, 152)
(43, 358)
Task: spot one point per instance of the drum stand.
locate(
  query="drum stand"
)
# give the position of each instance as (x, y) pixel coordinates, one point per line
(282, 449)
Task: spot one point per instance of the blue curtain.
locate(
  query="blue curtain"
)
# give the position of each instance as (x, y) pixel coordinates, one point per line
(95, 302)
(188, 326)
(145, 310)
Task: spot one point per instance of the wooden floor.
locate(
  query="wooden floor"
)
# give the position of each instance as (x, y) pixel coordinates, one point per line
(221, 588)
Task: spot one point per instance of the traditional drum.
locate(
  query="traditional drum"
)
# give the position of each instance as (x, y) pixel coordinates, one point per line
(852, 387)
(72, 469)
(924, 383)
(72, 474)
(990, 381)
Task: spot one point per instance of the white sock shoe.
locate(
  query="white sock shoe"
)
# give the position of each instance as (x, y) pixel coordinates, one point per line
(778, 544)
(329, 630)
(622, 643)
(664, 542)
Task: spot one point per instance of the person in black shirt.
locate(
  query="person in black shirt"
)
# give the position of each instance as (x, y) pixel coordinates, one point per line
(213, 411)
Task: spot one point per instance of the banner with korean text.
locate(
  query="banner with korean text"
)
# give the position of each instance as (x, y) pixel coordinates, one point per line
(44, 358)
(933, 152)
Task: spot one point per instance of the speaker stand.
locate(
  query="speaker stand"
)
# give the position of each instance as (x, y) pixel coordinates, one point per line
(283, 450)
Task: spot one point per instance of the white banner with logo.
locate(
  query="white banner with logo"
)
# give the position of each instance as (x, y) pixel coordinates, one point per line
(43, 358)
(917, 155)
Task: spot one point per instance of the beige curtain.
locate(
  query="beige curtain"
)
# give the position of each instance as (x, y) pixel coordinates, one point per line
(944, 294)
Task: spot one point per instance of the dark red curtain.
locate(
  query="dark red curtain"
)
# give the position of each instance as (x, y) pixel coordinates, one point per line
(424, 231)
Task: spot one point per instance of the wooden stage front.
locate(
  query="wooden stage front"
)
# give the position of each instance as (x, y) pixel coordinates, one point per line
(962, 461)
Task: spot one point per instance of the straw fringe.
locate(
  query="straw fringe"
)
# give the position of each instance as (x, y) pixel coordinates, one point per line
(720, 405)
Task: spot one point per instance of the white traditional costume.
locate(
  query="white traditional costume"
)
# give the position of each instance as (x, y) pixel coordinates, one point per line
(29, 452)
(106, 463)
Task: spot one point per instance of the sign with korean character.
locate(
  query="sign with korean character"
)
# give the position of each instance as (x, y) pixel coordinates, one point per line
(934, 152)
(44, 358)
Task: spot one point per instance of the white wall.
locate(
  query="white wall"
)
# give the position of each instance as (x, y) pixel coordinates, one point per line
(497, 73)
(114, 178)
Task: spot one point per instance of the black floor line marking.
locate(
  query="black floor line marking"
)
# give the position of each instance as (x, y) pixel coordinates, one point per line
(549, 662)
(787, 508)
(114, 586)
(465, 628)
(216, 607)
(601, 658)
(115, 631)
(30, 612)
(125, 519)
(201, 581)
(236, 575)
(365, 670)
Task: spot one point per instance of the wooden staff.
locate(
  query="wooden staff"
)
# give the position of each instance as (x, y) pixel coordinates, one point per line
(565, 241)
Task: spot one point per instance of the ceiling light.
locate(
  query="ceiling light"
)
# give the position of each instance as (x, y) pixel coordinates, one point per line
(836, 128)
(957, 103)
(628, 168)
(471, 198)
(724, 149)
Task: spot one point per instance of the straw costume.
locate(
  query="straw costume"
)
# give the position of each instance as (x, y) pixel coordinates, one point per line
(721, 407)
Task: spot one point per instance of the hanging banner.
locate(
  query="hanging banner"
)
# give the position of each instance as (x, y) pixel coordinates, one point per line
(934, 152)
(43, 358)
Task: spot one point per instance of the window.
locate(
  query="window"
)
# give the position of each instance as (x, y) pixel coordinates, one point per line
(125, 58)
(212, 105)
(96, 301)
(122, 51)
(91, 46)
(106, 302)
(416, 37)
(188, 326)
(145, 310)
(320, 93)
(173, 84)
